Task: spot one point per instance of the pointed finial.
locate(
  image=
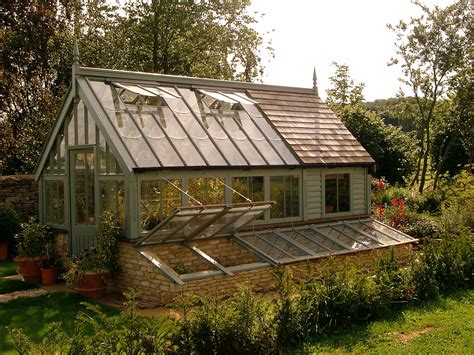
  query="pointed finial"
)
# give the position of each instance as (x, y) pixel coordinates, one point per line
(75, 52)
(315, 82)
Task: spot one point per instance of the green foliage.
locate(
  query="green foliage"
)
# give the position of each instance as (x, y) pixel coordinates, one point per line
(102, 257)
(286, 318)
(444, 265)
(33, 239)
(240, 324)
(9, 223)
(196, 38)
(392, 149)
(434, 53)
(99, 333)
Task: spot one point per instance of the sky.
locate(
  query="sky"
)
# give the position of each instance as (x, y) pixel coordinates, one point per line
(316, 33)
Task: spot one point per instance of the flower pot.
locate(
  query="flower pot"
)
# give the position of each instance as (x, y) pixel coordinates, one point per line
(49, 275)
(329, 209)
(30, 268)
(3, 251)
(92, 285)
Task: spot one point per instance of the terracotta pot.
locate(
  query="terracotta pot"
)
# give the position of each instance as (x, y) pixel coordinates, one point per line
(92, 285)
(30, 268)
(49, 275)
(3, 251)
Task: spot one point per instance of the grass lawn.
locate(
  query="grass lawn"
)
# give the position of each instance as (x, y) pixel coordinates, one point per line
(7, 286)
(7, 268)
(34, 314)
(445, 326)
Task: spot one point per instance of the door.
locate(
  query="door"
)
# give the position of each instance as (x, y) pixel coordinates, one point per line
(82, 199)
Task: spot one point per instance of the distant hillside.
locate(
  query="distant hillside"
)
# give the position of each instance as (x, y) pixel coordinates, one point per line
(395, 111)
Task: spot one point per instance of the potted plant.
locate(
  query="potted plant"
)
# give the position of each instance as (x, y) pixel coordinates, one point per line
(9, 225)
(31, 242)
(88, 271)
(49, 267)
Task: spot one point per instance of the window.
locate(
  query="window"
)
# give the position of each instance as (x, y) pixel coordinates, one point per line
(284, 190)
(337, 190)
(112, 198)
(158, 198)
(54, 201)
(208, 191)
(248, 186)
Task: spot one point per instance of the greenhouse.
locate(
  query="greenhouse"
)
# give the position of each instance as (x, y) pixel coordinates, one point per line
(268, 173)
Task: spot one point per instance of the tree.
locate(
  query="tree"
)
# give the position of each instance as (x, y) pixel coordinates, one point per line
(200, 38)
(32, 85)
(431, 50)
(391, 148)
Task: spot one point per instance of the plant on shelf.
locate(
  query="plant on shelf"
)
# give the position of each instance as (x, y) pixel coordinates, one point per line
(32, 242)
(9, 225)
(89, 270)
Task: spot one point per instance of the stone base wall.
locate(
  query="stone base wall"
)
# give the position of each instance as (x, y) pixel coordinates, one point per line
(139, 275)
(21, 193)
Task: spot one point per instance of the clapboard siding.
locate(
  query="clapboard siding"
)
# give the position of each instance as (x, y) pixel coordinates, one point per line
(313, 186)
(312, 194)
(359, 192)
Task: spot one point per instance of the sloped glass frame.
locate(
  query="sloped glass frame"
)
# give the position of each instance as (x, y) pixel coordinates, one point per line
(283, 245)
(172, 131)
(199, 222)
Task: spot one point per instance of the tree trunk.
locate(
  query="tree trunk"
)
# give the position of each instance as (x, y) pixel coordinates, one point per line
(425, 158)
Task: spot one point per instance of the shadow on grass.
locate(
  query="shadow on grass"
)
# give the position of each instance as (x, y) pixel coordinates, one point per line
(35, 314)
(7, 268)
(7, 286)
(349, 338)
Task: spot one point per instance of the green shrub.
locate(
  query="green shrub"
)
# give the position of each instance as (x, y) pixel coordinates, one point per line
(286, 315)
(240, 324)
(335, 298)
(34, 239)
(443, 265)
(426, 202)
(9, 223)
(126, 333)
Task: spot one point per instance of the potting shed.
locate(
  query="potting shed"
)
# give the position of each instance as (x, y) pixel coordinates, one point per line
(214, 182)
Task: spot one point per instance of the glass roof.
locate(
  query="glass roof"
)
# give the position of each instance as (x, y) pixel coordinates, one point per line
(164, 127)
(279, 246)
(197, 222)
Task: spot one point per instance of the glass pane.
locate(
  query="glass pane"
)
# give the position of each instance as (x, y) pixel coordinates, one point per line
(158, 199)
(277, 194)
(258, 139)
(375, 233)
(180, 139)
(81, 129)
(331, 193)
(270, 133)
(292, 196)
(158, 140)
(84, 188)
(208, 191)
(54, 201)
(284, 190)
(129, 133)
(336, 235)
(324, 241)
(344, 192)
(102, 155)
(90, 129)
(71, 131)
(112, 198)
(194, 129)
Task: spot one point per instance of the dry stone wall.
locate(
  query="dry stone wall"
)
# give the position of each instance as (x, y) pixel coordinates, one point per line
(138, 274)
(21, 193)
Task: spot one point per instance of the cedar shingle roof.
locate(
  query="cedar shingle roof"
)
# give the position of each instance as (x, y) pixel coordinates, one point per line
(309, 126)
